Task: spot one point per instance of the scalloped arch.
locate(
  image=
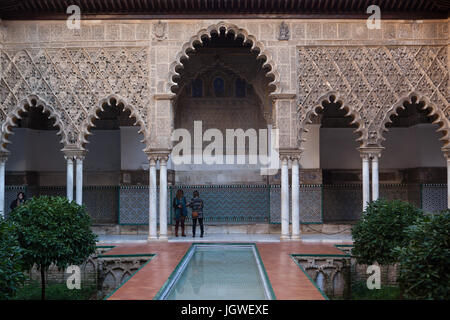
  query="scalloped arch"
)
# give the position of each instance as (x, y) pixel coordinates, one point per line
(31, 101)
(229, 28)
(89, 121)
(441, 120)
(351, 112)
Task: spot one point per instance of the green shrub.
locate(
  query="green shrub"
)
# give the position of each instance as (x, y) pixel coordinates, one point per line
(424, 263)
(55, 291)
(381, 229)
(52, 230)
(361, 292)
(11, 267)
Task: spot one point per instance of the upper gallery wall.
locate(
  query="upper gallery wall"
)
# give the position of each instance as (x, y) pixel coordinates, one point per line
(72, 72)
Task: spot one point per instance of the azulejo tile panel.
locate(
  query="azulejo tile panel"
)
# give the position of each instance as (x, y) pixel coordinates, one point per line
(232, 203)
(434, 197)
(310, 204)
(101, 202)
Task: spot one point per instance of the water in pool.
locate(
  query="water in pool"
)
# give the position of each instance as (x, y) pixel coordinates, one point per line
(220, 272)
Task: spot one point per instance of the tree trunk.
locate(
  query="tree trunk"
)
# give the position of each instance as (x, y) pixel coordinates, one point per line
(42, 282)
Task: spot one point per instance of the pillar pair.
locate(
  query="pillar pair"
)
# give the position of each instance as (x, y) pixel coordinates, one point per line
(78, 158)
(152, 232)
(3, 158)
(285, 197)
(370, 156)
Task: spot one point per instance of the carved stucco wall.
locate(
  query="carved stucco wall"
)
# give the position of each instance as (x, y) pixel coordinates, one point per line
(72, 72)
(73, 83)
(372, 82)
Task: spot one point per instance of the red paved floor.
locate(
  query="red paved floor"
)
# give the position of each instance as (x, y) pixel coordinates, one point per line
(287, 279)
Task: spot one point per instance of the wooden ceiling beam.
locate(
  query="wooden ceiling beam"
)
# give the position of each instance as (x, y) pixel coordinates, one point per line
(14, 8)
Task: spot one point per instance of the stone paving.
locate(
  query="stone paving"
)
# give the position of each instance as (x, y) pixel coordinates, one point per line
(306, 238)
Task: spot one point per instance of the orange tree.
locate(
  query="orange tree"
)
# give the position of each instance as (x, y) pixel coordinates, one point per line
(52, 230)
(381, 229)
(11, 267)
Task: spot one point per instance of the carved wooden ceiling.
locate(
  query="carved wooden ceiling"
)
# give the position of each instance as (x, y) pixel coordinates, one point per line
(56, 9)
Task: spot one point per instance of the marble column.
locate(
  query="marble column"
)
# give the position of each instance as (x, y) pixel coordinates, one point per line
(163, 198)
(69, 183)
(448, 179)
(284, 199)
(366, 180)
(375, 178)
(295, 200)
(79, 179)
(2, 185)
(152, 232)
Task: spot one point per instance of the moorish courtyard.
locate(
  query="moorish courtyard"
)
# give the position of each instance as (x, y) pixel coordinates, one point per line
(288, 117)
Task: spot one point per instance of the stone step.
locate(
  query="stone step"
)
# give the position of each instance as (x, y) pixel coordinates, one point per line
(259, 228)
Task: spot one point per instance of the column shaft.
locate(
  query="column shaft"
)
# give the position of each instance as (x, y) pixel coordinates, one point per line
(448, 182)
(69, 184)
(375, 179)
(79, 182)
(295, 201)
(152, 232)
(284, 200)
(2, 186)
(163, 199)
(366, 181)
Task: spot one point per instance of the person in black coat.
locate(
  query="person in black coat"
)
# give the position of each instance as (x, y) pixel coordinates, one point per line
(18, 201)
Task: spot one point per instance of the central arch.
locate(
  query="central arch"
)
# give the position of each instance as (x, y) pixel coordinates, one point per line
(178, 64)
(223, 77)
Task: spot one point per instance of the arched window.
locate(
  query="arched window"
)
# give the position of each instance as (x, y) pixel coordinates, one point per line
(197, 88)
(240, 88)
(219, 87)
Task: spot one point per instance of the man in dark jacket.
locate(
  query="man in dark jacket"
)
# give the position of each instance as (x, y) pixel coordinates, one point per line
(196, 205)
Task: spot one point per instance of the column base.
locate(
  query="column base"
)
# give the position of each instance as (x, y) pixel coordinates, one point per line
(285, 237)
(163, 238)
(152, 239)
(296, 237)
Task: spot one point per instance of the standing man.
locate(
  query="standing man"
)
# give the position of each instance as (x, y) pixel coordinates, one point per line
(196, 205)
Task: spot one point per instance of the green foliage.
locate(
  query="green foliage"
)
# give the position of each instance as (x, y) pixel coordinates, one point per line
(32, 291)
(52, 230)
(424, 267)
(361, 292)
(11, 268)
(381, 229)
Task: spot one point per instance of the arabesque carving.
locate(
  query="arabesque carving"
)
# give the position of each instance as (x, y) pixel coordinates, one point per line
(373, 82)
(73, 83)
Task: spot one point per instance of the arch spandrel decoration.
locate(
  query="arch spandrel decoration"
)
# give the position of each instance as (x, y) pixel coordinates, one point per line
(351, 112)
(73, 81)
(440, 118)
(110, 100)
(31, 101)
(371, 80)
(228, 28)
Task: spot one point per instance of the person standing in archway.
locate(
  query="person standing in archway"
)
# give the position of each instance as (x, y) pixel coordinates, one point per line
(18, 201)
(196, 205)
(180, 206)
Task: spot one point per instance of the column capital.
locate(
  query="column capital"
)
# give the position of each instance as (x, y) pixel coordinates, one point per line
(152, 160)
(370, 152)
(74, 154)
(446, 152)
(4, 155)
(290, 154)
(158, 154)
